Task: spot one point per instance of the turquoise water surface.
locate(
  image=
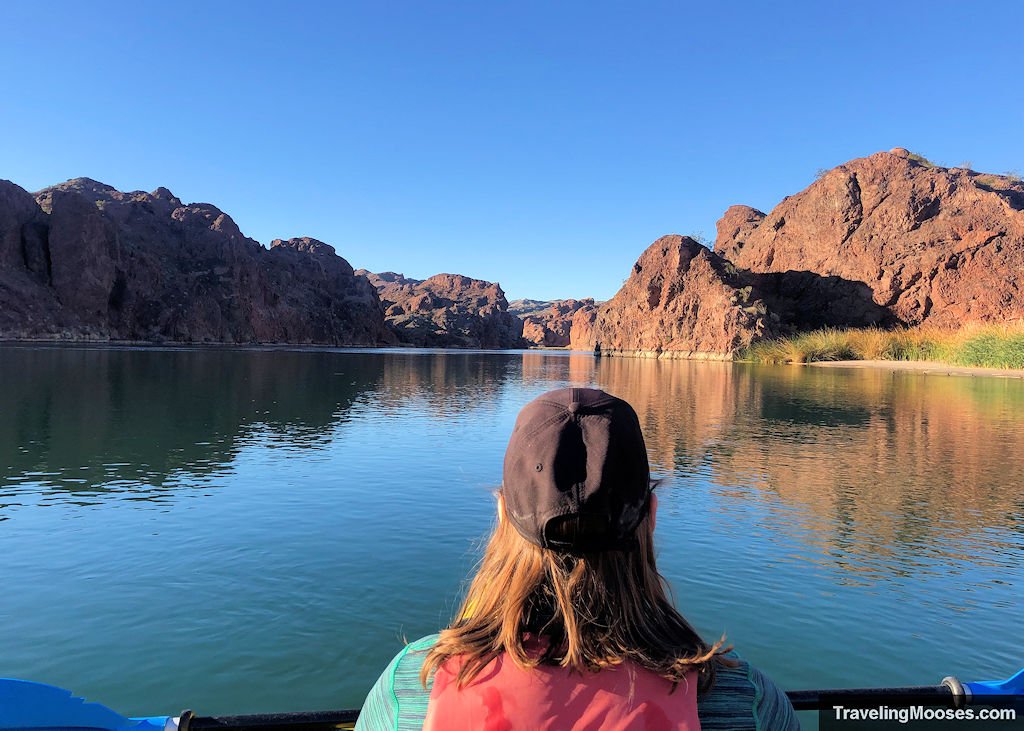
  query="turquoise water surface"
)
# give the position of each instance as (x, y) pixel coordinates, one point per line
(236, 531)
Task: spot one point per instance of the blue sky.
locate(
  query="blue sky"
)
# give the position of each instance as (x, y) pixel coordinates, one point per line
(542, 145)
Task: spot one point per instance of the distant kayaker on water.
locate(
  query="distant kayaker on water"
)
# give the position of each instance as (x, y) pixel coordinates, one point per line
(566, 624)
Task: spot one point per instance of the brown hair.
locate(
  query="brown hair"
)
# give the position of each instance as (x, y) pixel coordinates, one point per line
(596, 610)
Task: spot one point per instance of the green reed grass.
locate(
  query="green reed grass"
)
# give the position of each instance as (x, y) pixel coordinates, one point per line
(996, 346)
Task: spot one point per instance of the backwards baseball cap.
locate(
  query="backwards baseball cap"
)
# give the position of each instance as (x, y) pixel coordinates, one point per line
(576, 477)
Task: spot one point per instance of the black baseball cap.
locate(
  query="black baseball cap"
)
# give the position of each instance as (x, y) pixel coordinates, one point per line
(576, 477)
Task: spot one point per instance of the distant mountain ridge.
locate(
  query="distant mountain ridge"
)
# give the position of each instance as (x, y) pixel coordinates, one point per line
(548, 323)
(522, 307)
(82, 260)
(888, 239)
(446, 310)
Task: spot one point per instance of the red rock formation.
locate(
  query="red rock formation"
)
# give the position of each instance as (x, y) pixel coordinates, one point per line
(447, 310)
(85, 261)
(737, 222)
(884, 239)
(683, 301)
(548, 324)
(931, 244)
(581, 330)
(319, 292)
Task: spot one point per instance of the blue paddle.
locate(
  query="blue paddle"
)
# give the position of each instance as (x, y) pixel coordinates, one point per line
(28, 706)
(1013, 685)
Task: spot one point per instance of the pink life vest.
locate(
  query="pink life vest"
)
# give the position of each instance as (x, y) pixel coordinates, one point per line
(505, 697)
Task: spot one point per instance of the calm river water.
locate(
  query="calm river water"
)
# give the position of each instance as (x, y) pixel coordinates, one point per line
(255, 530)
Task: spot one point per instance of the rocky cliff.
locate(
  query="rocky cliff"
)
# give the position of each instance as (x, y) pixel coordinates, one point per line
(548, 323)
(681, 300)
(447, 310)
(885, 240)
(82, 260)
(931, 244)
(581, 329)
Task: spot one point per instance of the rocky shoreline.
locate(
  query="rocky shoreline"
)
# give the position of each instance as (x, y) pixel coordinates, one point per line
(886, 240)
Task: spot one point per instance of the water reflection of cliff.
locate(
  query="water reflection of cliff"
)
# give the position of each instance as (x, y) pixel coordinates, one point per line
(91, 419)
(874, 462)
(869, 459)
(444, 382)
(888, 462)
(684, 407)
(84, 420)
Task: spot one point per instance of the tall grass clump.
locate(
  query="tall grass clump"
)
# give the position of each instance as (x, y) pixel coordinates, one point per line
(995, 346)
(827, 344)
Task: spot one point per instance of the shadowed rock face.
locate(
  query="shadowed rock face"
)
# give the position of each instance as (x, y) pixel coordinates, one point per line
(548, 323)
(681, 300)
(931, 244)
(447, 310)
(807, 301)
(82, 260)
(319, 292)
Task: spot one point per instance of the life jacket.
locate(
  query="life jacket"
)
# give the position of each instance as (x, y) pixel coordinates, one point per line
(741, 699)
(506, 697)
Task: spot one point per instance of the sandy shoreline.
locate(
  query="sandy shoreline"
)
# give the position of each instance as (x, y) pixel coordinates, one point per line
(921, 366)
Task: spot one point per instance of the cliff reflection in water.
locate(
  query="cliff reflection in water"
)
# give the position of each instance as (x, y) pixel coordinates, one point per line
(102, 419)
(899, 471)
(315, 506)
(87, 421)
(867, 462)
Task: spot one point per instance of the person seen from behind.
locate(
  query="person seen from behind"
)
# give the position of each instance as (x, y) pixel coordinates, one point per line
(567, 624)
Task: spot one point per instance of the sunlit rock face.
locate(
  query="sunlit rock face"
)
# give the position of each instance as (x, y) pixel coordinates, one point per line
(581, 329)
(81, 260)
(932, 244)
(680, 300)
(884, 240)
(447, 310)
(548, 323)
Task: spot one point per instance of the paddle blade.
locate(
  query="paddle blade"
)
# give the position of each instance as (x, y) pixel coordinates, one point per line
(40, 707)
(1011, 686)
